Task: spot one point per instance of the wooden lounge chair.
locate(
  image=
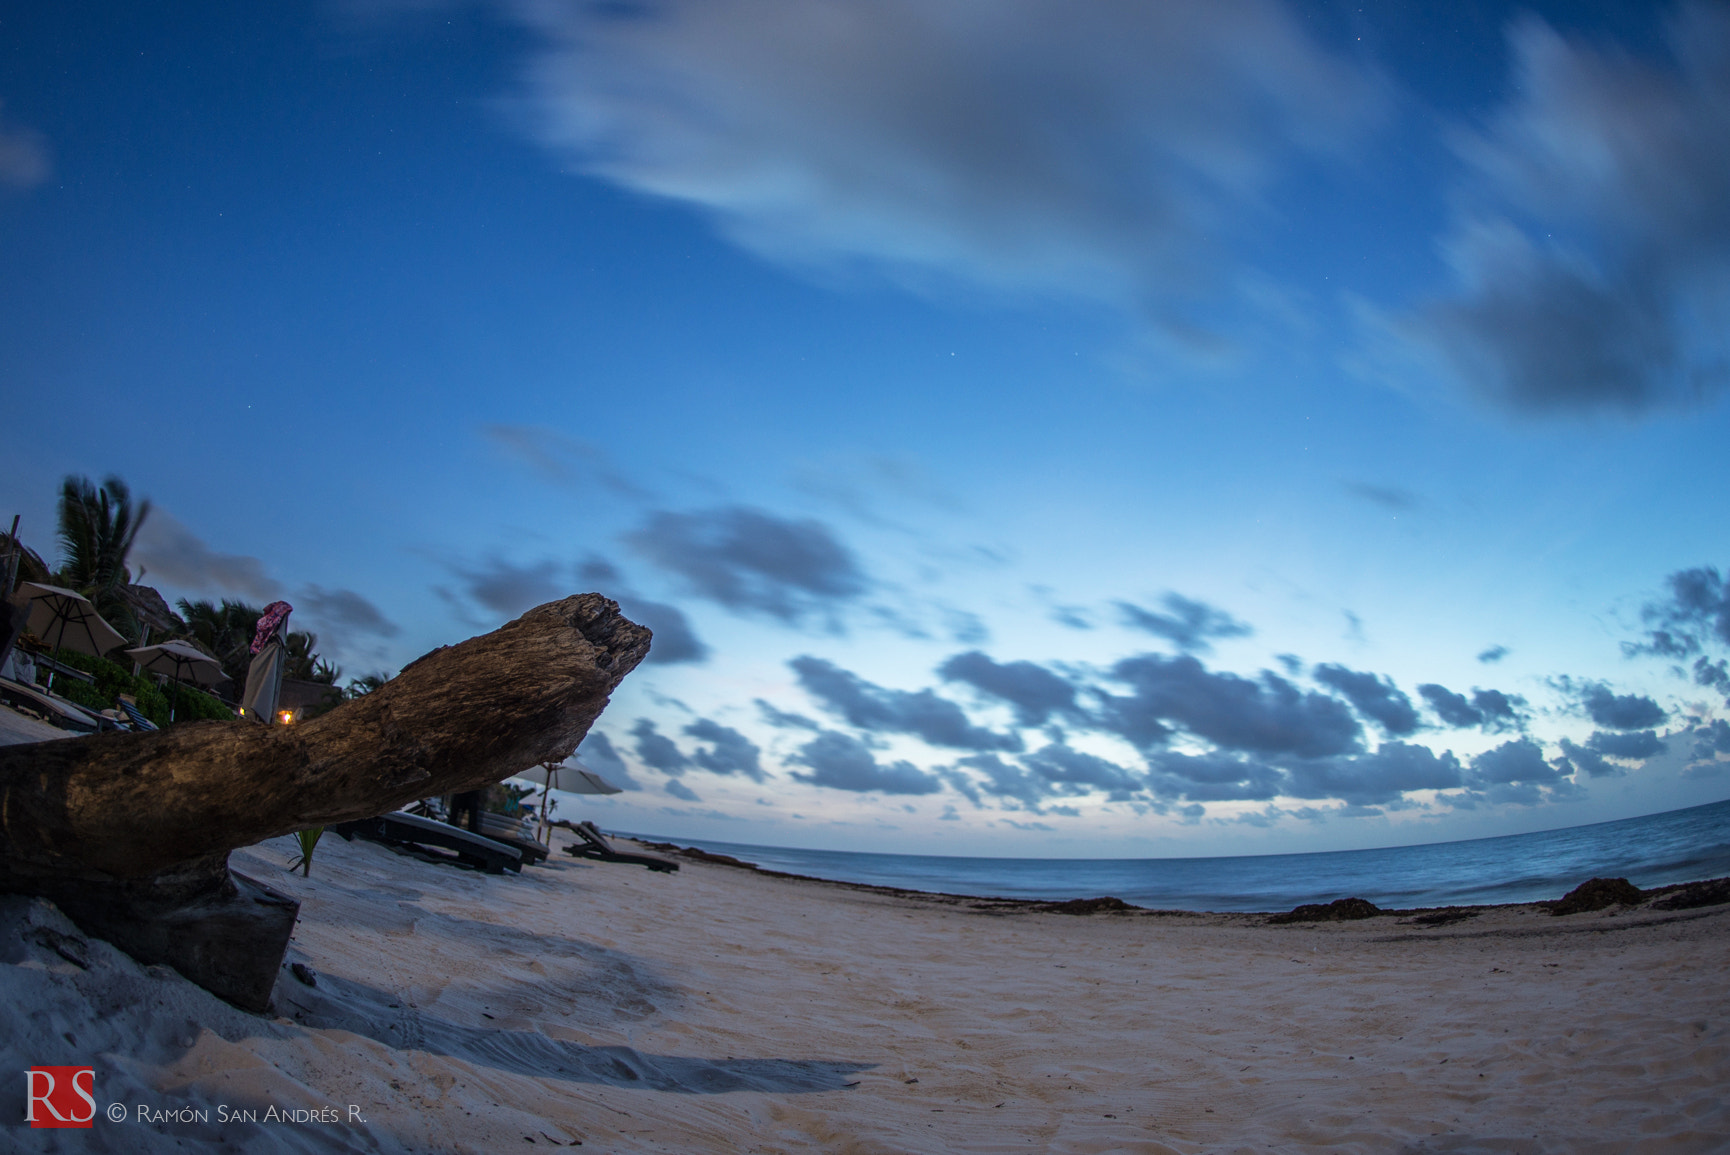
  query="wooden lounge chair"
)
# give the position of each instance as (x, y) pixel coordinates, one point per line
(513, 832)
(594, 845)
(402, 829)
(51, 708)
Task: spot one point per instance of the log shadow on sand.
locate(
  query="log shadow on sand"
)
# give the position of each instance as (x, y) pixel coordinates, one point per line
(340, 1004)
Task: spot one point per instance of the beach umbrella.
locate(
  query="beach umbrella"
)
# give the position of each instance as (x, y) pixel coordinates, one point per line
(181, 662)
(571, 776)
(66, 620)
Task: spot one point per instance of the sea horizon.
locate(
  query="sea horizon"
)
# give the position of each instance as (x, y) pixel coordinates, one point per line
(1650, 850)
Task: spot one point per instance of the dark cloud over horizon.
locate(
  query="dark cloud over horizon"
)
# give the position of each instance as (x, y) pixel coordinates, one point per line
(1620, 711)
(1266, 715)
(935, 720)
(842, 762)
(1489, 710)
(657, 751)
(729, 752)
(1034, 691)
(1376, 698)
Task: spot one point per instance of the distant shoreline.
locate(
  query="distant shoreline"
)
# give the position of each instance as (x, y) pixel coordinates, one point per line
(1671, 897)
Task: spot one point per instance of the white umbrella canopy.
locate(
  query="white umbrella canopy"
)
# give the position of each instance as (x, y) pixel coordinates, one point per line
(65, 619)
(570, 776)
(179, 661)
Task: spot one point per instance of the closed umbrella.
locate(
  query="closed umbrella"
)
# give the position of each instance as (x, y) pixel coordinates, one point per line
(65, 619)
(181, 662)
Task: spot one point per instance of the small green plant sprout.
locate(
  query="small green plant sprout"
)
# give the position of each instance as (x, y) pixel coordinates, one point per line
(308, 839)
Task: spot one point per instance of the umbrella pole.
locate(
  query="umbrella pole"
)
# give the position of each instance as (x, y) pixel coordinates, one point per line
(546, 789)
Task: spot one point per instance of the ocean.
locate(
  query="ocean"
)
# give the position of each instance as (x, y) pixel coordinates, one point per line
(1676, 846)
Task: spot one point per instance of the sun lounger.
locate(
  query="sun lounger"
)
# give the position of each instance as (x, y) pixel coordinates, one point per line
(54, 710)
(402, 829)
(138, 720)
(513, 832)
(594, 845)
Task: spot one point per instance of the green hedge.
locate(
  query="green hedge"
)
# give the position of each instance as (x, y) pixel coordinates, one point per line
(113, 679)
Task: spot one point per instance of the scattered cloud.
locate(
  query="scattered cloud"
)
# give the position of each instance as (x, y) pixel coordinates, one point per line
(347, 611)
(1692, 618)
(1489, 710)
(597, 753)
(1618, 711)
(1268, 715)
(1076, 771)
(681, 791)
(936, 720)
(658, 751)
(1593, 763)
(729, 752)
(842, 762)
(1589, 259)
(1376, 778)
(1636, 744)
(751, 561)
(508, 589)
(1376, 698)
(1189, 625)
(1034, 691)
(1493, 654)
(675, 641)
(1521, 761)
(1712, 739)
(782, 720)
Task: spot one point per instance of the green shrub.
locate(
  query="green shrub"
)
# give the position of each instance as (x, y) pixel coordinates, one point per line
(190, 705)
(114, 679)
(82, 694)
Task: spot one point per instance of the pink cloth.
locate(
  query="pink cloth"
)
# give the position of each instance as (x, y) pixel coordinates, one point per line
(275, 614)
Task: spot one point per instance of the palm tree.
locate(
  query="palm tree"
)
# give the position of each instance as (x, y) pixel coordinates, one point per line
(303, 660)
(224, 632)
(365, 684)
(97, 530)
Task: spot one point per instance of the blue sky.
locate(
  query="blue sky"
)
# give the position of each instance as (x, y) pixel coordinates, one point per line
(1124, 429)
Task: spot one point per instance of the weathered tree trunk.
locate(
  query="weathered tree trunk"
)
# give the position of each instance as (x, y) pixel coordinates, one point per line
(130, 833)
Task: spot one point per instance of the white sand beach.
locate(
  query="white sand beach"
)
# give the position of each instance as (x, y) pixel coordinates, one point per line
(718, 1010)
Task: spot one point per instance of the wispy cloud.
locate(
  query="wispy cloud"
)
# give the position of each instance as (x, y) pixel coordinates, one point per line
(173, 554)
(1590, 255)
(24, 159)
(1095, 150)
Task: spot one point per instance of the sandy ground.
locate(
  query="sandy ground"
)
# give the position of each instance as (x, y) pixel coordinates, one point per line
(715, 1010)
(16, 728)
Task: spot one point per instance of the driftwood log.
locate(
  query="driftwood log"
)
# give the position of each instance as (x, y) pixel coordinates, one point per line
(130, 833)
